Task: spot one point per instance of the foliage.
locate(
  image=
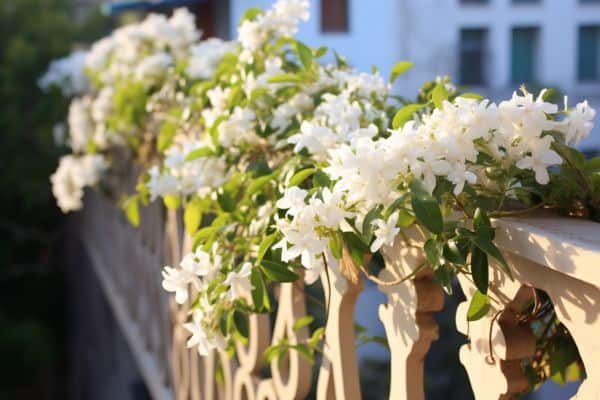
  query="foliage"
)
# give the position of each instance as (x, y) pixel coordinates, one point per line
(32, 33)
(288, 169)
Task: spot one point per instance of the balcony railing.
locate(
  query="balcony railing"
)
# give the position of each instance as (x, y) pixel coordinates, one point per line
(557, 255)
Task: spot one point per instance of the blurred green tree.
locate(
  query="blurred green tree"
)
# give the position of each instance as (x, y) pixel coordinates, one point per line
(32, 33)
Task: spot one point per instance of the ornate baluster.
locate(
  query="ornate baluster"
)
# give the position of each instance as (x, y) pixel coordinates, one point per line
(498, 343)
(292, 375)
(577, 305)
(408, 318)
(338, 374)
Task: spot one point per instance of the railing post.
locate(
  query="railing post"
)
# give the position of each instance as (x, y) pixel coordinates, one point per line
(408, 318)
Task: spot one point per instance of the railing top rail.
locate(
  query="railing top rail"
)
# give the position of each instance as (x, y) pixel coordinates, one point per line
(568, 245)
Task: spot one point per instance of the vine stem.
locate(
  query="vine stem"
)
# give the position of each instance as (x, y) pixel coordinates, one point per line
(328, 294)
(381, 282)
(490, 347)
(496, 214)
(461, 206)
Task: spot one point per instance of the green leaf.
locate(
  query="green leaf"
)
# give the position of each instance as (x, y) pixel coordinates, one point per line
(273, 352)
(305, 352)
(356, 247)
(336, 245)
(285, 78)
(439, 95)
(165, 136)
(260, 296)
(199, 153)
(265, 245)
(432, 251)
(250, 14)
(321, 51)
(399, 69)
(257, 184)
(480, 269)
(575, 158)
(226, 201)
(593, 164)
(316, 337)
(491, 250)
(304, 54)
(453, 254)
(171, 202)
(426, 208)
(405, 114)
(405, 218)
(278, 271)
(367, 226)
(303, 322)
(192, 216)
(301, 176)
(203, 235)
(479, 306)
(320, 179)
(240, 322)
(482, 224)
(132, 210)
(473, 96)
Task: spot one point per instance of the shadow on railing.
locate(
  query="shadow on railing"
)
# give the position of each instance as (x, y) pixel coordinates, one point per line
(559, 256)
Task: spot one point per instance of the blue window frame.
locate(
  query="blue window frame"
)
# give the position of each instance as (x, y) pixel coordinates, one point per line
(589, 53)
(473, 44)
(524, 54)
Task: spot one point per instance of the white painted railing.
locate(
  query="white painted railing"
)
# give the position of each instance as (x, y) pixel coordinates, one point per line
(558, 255)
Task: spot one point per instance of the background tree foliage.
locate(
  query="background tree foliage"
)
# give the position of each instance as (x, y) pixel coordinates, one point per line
(32, 33)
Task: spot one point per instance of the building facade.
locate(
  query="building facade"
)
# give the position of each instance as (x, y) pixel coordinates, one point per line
(490, 46)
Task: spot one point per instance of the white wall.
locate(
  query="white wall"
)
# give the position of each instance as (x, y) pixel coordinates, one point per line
(383, 32)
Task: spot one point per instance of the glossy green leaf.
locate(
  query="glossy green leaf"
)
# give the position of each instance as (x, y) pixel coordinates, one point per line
(479, 306)
(260, 295)
(336, 245)
(278, 271)
(491, 250)
(304, 54)
(405, 114)
(432, 251)
(240, 322)
(192, 216)
(301, 176)
(399, 69)
(199, 153)
(302, 322)
(265, 245)
(480, 269)
(426, 208)
(453, 253)
(132, 210)
(439, 95)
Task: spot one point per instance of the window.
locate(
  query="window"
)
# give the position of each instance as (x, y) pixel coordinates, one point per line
(518, 2)
(524, 54)
(589, 53)
(334, 15)
(472, 52)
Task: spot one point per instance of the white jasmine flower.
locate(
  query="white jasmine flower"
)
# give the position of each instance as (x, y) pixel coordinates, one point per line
(205, 56)
(205, 340)
(292, 200)
(68, 74)
(386, 232)
(239, 282)
(72, 176)
(579, 123)
(540, 159)
(153, 66)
